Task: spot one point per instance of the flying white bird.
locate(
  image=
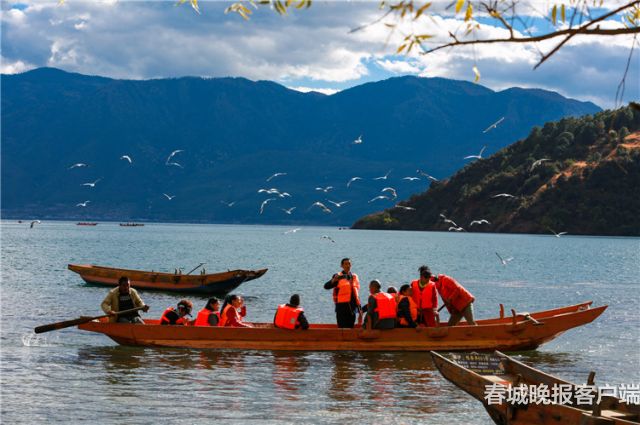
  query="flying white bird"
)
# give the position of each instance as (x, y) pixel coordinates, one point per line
(175, 164)
(479, 156)
(173, 154)
(169, 197)
(229, 204)
(264, 204)
(378, 197)
(276, 175)
(82, 204)
(557, 235)
(391, 190)
(352, 180)
(383, 177)
(422, 173)
(322, 206)
(483, 221)
(92, 184)
(127, 158)
(78, 165)
(358, 141)
(538, 162)
(324, 189)
(291, 231)
(33, 223)
(288, 211)
(494, 125)
(403, 207)
(456, 229)
(411, 178)
(446, 220)
(327, 237)
(504, 261)
(338, 204)
(274, 191)
(503, 195)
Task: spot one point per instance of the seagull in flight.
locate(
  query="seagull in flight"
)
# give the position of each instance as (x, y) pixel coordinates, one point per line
(446, 220)
(557, 235)
(78, 165)
(322, 206)
(33, 223)
(392, 190)
(504, 261)
(127, 158)
(494, 125)
(169, 197)
(422, 173)
(352, 180)
(483, 221)
(503, 195)
(229, 204)
(456, 229)
(168, 161)
(264, 204)
(291, 231)
(338, 204)
(538, 162)
(92, 184)
(288, 211)
(274, 191)
(411, 178)
(383, 177)
(273, 176)
(403, 207)
(479, 156)
(358, 141)
(327, 237)
(378, 197)
(324, 189)
(82, 204)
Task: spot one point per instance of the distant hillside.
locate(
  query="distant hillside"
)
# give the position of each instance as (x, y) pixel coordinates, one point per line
(586, 180)
(234, 133)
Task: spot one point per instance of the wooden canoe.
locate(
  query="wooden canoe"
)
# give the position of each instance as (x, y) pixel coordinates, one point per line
(510, 372)
(491, 334)
(213, 284)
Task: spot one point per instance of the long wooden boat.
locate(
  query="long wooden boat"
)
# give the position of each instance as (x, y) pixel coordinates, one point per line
(484, 376)
(507, 333)
(214, 284)
(131, 224)
(86, 223)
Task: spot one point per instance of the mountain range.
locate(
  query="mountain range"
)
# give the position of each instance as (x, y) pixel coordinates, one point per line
(234, 133)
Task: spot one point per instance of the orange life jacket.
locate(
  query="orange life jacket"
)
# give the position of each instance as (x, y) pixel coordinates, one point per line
(203, 317)
(223, 315)
(342, 292)
(386, 306)
(165, 320)
(287, 316)
(413, 309)
(425, 298)
(453, 293)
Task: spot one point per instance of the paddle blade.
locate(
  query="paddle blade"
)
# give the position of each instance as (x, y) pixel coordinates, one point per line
(61, 325)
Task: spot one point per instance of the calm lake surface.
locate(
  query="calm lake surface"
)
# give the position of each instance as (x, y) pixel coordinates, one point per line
(71, 376)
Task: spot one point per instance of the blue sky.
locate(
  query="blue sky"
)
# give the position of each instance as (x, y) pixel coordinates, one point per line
(308, 49)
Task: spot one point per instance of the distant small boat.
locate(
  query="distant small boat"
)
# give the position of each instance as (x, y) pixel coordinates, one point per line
(86, 223)
(476, 372)
(215, 284)
(131, 224)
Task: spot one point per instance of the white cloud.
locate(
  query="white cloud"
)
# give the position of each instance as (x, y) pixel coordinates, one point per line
(400, 66)
(326, 91)
(14, 67)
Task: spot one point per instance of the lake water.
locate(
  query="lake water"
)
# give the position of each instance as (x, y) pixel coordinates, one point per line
(71, 376)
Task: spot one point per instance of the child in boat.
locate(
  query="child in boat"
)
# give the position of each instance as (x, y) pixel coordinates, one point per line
(176, 316)
(233, 311)
(210, 314)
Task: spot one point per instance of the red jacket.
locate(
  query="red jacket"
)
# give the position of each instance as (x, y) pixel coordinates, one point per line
(455, 296)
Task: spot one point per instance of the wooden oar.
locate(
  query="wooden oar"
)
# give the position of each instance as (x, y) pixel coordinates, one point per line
(79, 320)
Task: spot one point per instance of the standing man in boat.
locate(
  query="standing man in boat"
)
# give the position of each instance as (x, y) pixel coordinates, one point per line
(381, 308)
(456, 298)
(291, 316)
(346, 286)
(423, 291)
(124, 297)
(177, 316)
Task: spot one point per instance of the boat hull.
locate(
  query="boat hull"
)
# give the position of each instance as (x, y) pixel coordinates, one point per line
(523, 335)
(205, 284)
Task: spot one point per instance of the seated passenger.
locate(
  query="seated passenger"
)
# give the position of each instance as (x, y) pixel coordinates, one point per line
(381, 308)
(233, 310)
(209, 315)
(176, 316)
(291, 316)
(407, 308)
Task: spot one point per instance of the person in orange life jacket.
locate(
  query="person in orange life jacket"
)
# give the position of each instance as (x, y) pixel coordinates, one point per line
(210, 314)
(407, 308)
(381, 308)
(346, 286)
(124, 297)
(423, 291)
(456, 298)
(233, 310)
(176, 316)
(291, 316)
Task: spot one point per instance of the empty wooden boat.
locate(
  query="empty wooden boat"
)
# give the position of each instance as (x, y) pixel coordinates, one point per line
(484, 376)
(508, 334)
(214, 284)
